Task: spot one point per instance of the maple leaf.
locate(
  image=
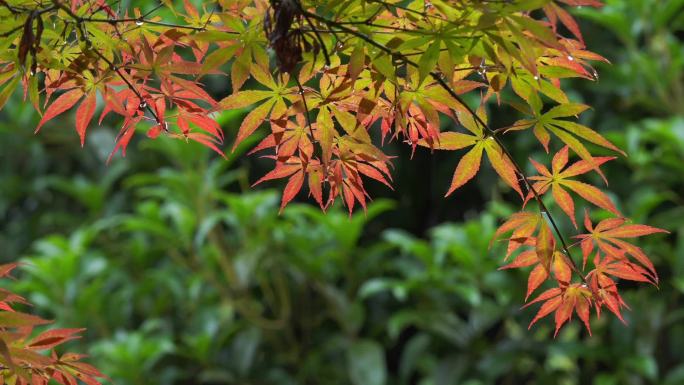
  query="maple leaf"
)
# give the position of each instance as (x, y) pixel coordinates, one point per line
(546, 258)
(557, 264)
(616, 267)
(356, 158)
(567, 131)
(605, 289)
(608, 237)
(272, 102)
(19, 351)
(522, 225)
(419, 109)
(481, 143)
(558, 179)
(563, 301)
(294, 171)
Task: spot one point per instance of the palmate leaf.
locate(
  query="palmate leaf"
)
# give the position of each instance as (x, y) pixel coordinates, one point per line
(469, 164)
(619, 268)
(272, 102)
(564, 301)
(567, 131)
(544, 256)
(292, 170)
(605, 289)
(22, 354)
(608, 237)
(522, 225)
(557, 180)
(557, 264)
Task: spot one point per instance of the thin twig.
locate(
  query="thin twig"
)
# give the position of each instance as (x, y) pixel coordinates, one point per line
(306, 108)
(318, 36)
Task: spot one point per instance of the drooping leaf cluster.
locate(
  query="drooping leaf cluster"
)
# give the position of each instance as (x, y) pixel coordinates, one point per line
(21, 350)
(334, 80)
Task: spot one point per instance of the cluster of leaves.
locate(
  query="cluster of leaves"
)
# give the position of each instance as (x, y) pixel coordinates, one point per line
(342, 71)
(20, 351)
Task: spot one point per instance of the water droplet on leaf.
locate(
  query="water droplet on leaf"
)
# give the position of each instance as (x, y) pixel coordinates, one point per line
(595, 74)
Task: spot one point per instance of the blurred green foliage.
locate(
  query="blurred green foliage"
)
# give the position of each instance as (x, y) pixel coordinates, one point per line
(184, 275)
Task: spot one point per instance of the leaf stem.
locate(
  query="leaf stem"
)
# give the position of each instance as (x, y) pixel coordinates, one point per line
(306, 107)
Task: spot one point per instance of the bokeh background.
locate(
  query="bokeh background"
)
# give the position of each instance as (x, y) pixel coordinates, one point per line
(183, 274)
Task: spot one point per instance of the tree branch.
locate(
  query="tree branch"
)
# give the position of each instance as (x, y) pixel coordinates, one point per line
(490, 132)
